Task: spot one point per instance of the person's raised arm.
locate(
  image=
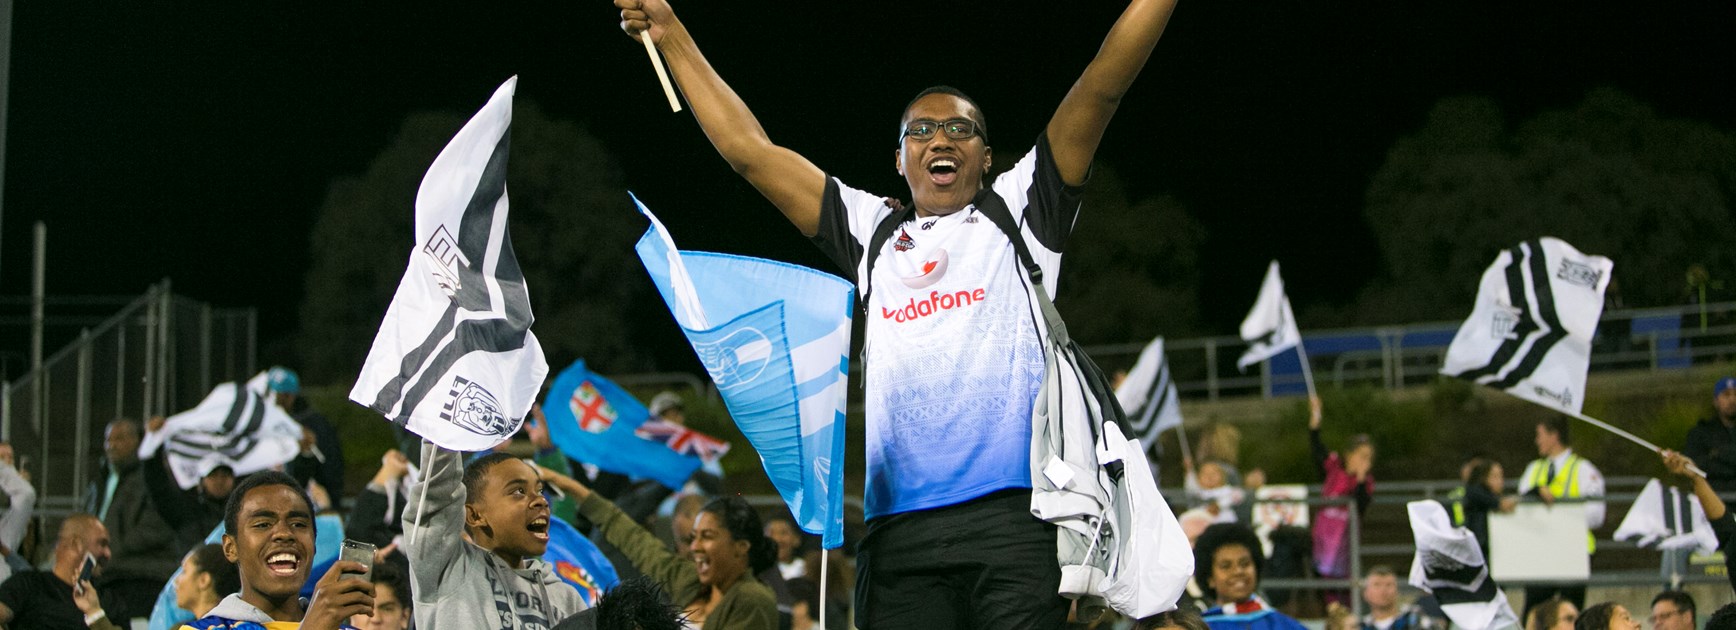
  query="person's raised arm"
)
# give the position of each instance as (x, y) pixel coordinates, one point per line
(1084, 113)
(1709, 500)
(790, 181)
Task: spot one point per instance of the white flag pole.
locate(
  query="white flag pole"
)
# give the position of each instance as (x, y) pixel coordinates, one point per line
(1301, 352)
(824, 554)
(662, 75)
(1181, 436)
(1613, 429)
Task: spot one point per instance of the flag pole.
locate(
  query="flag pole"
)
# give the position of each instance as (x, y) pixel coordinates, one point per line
(1181, 436)
(1631, 437)
(1301, 352)
(662, 75)
(824, 556)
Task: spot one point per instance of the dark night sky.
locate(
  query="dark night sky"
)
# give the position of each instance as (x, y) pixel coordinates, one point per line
(197, 140)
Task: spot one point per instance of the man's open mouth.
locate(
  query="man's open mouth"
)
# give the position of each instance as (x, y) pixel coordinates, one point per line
(943, 171)
(283, 563)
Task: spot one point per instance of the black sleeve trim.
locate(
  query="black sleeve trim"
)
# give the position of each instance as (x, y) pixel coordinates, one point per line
(833, 236)
(1053, 204)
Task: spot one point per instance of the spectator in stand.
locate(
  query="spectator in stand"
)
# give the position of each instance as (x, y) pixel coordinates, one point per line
(1349, 473)
(1553, 613)
(391, 601)
(1183, 618)
(1221, 443)
(1227, 563)
(1723, 520)
(377, 516)
(1712, 442)
(717, 589)
(636, 604)
(783, 532)
(1606, 616)
(1723, 619)
(322, 453)
(21, 502)
(1562, 474)
(61, 598)
(145, 547)
(1673, 610)
(805, 613)
(206, 577)
(192, 512)
(1471, 504)
(1380, 593)
(1209, 489)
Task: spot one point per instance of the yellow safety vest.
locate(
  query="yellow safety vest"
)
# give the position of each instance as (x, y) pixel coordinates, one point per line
(1456, 498)
(1565, 486)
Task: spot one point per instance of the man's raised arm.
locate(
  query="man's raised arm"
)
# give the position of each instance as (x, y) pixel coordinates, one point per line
(790, 181)
(1079, 122)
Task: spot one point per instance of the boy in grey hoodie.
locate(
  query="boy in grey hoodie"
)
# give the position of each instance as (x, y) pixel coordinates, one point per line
(270, 538)
(496, 578)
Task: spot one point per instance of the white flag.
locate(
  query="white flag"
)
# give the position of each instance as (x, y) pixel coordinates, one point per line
(1148, 396)
(455, 361)
(1530, 332)
(1450, 565)
(232, 427)
(1270, 327)
(1668, 519)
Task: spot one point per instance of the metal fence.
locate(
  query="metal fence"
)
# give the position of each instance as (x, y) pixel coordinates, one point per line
(1398, 356)
(158, 354)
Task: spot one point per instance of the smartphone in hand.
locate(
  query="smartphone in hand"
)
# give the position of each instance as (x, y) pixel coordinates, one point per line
(357, 551)
(85, 570)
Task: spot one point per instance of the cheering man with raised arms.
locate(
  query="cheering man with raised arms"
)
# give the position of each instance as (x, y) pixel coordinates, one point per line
(954, 357)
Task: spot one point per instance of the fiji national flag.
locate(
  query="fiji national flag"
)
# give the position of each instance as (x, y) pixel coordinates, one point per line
(232, 427)
(594, 421)
(1270, 327)
(776, 339)
(578, 561)
(455, 361)
(1148, 396)
(1530, 332)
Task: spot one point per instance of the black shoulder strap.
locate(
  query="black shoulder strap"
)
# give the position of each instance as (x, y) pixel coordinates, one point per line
(882, 233)
(994, 207)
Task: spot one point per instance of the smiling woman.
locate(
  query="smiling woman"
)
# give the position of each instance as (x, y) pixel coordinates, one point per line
(1227, 563)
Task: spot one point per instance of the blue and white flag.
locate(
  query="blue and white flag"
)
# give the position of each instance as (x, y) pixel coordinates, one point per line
(455, 361)
(776, 339)
(578, 561)
(594, 421)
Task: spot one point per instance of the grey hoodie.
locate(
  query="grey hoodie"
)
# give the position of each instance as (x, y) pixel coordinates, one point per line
(233, 609)
(458, 585)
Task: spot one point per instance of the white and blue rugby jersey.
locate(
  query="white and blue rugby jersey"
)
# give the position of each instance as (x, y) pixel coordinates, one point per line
(954, 360)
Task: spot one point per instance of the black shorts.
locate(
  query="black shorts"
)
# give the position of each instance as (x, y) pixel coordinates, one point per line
(984, 563)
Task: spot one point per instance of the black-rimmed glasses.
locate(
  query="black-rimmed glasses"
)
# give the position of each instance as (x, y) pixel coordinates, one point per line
(956, 129)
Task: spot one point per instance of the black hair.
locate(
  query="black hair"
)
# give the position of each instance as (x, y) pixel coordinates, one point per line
(1547, 612)
(743, 523)
(1184, 617)
(225, 577)
(232, 508)
(1683, 601)
(1723, 619)
(388, 574)
(977, 115)
(1480, 471)
(1596, 617)
(638, 604)
(803, 589)
(474, 471)
(1221, 535)
(1558, 426)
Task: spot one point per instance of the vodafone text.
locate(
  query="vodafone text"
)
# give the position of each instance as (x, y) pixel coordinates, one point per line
(934, 303)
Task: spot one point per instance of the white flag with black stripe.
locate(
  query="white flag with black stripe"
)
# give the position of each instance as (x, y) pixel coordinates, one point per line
(455, 361)
(1450, 565)
(1270, 327)
(1530, 332)
(1667, 518)
(232, 427)
(1148, 396)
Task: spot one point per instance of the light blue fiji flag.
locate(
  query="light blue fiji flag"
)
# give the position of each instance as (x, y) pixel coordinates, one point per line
(594, 421)
(578, 561)
(776, 339)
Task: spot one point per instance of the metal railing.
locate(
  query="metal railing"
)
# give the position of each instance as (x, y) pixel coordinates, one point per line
(160, 353)
(1394, 357)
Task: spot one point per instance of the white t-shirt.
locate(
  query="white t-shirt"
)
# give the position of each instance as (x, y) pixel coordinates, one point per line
(953, 355)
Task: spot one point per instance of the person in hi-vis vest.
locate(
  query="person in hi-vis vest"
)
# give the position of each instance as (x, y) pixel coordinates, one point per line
(1562, 474)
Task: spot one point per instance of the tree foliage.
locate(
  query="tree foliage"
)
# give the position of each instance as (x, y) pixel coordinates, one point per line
(1131, 269)
(1609, 176)
(572, 228)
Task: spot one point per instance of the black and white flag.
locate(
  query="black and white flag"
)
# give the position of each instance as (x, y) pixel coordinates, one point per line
(1667, 518)
(232, 427)
(1530, 332)
(1450, 565)
(1270, 327)
(455, 361)
(1148, 396)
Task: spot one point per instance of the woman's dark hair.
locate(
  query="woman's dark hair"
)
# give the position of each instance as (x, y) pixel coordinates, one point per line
(1548, 612)
(1596, 617)
(1184, 617)
(209, 559)
(803, 589)
(1479, 476)
(232, 508)
(743, 523)
(1218, 536)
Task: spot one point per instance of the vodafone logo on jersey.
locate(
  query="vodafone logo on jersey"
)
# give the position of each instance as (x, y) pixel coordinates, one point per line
(930, 272)
(934, 303)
